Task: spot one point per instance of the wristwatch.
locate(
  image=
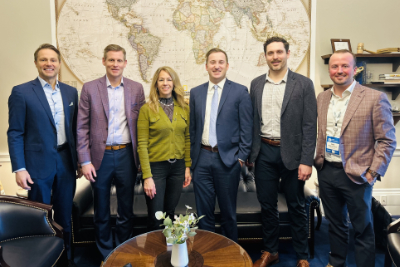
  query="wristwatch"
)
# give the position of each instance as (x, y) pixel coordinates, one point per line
(373, 173)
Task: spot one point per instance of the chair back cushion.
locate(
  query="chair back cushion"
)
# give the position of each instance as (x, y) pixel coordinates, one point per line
(19, 220)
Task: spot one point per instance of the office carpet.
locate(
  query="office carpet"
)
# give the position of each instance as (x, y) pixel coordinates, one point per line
(89, 257)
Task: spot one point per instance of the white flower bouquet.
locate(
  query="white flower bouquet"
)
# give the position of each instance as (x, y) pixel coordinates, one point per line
(178, 231)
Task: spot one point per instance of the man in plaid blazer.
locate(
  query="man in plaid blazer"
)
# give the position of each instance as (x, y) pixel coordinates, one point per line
(106, 145)
(356, 141)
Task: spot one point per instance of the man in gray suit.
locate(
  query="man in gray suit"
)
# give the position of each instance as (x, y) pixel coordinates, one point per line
(284, 136)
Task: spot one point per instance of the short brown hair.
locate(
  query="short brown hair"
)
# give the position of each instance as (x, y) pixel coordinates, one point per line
(344, 51)
(47, 46)
(216, 50)
(113, 47)
(278, 40)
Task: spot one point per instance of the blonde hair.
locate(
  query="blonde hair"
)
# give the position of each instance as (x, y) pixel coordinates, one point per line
(177, 92)
(113, 47)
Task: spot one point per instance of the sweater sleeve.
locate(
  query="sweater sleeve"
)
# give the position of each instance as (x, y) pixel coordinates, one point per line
(188, 160)
(143, 141)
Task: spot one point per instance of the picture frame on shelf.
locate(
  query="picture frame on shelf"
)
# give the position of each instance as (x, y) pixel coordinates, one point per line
(339, 44)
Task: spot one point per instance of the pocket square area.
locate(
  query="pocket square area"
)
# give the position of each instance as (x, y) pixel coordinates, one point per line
(72, 103)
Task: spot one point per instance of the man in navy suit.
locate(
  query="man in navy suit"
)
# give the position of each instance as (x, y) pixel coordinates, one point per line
(221, 119)
(41, 138)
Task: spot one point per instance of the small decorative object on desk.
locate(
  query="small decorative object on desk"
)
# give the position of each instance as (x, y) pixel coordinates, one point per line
(177, 232)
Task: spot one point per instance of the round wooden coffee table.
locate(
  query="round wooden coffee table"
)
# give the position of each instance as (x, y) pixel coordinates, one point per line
(205, 249)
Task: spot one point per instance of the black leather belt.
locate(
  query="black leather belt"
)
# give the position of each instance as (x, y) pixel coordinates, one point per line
(337, 165)
(62, 147)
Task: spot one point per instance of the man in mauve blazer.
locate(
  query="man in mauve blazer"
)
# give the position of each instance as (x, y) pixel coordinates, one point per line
(356, 141)
(284, 135)
(41, 139)
(107, 144)
(220, 137)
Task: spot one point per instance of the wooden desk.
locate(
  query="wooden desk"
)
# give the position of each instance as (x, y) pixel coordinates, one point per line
(205, 249)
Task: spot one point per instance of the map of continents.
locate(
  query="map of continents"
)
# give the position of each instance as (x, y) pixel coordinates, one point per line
(178, 33)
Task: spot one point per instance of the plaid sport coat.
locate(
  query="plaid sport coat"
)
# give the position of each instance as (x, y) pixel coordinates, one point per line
(367, 137)
(92, 126)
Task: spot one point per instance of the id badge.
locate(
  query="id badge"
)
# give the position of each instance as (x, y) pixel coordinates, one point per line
(332, 145)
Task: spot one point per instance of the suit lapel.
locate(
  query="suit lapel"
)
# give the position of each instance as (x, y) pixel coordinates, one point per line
(65, 101)
(128, 100)
(291, 84)
(324, 112)
(203, 101)
(102, 87)
(259, 87)
(225, 93)
(38, 89)
(355, 100)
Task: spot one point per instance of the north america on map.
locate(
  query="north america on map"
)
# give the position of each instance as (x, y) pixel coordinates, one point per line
(178, 33)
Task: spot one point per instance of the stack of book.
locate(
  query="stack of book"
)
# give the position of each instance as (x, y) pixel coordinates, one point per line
(389, 78)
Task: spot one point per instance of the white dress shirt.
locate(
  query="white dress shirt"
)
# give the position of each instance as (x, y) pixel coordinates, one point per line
(210, 93)
(337, 109)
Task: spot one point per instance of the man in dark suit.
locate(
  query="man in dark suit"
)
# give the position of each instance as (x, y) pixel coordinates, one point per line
(356, 141)
(41, 138)
(221, 118)
(284, 134)
(107, 142)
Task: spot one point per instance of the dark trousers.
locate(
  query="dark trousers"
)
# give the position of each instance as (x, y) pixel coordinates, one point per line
(269, 169)
(117, 165)
(58, 189)
(337, 191)
(212, 178)
(168, 178)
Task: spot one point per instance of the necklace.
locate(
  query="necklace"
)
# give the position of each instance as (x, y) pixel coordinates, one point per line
(167, 105)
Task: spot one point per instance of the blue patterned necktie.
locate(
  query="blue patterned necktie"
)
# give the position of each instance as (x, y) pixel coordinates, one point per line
(213, 118)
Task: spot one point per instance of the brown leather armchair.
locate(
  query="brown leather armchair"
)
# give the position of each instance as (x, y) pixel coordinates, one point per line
(28, 234)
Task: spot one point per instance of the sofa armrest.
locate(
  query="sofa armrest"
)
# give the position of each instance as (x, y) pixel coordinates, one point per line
(394, 227)
(83, 197)
(311, 197)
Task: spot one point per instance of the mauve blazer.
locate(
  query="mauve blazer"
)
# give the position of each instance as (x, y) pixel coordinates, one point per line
(92, 127)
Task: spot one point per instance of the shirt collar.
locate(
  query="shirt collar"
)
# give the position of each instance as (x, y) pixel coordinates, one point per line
(348, 91)
(220, 84)
(284, 79)
(46, 84)
(109, 84)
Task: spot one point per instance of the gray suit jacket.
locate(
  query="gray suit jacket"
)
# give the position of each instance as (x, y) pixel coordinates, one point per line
(298, 120)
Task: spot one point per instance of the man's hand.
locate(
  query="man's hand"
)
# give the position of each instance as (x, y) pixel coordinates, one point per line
(79, 172)
(23, 178)
(149, 187)
(370, 178)
(304, 172)
(188, 178)
(89, 172)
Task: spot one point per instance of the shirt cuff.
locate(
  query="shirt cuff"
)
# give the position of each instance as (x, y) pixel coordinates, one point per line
(86, 163)
(22, 169)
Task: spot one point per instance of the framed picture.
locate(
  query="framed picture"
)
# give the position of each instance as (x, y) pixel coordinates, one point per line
(339, 44)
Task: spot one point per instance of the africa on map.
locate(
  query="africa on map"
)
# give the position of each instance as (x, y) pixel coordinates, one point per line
(178, 33)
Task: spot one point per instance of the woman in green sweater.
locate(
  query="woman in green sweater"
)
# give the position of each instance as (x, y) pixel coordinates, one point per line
(164, 145)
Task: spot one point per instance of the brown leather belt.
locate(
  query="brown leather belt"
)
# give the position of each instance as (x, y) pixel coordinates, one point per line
(118, 147)
(272, 142)
(212, 149)
(337, 165)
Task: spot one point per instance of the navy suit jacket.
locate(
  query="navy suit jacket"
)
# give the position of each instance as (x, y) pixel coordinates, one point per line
(32, 134)
(234, 122)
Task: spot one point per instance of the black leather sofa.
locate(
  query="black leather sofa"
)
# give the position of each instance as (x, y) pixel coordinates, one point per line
(28, 234)
(393, 244)
(248, 211)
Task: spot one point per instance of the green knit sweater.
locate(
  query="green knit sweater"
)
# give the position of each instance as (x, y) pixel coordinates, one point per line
(159, 139)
